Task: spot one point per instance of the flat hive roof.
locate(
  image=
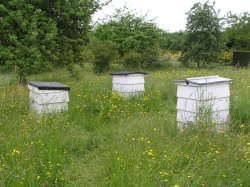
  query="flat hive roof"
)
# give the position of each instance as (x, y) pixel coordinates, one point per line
(127, 73)
(205, 80)
(49, 86)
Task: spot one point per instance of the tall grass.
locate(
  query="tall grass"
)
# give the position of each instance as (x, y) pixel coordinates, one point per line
(106, 140)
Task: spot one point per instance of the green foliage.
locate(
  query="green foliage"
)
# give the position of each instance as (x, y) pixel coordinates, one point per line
(172, 41)
(27, 38)
(73, 71)
(73, 23)
(237, 31)
(104, 52)
(131, 33)
(133, 59)
(226, 57)
(72, 19)
(35, 35)
(241, 58)
(203, 42)
(87, 56)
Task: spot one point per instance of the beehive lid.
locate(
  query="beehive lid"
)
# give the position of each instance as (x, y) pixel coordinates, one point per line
(49, 86)
(127, 73)
(215, 79)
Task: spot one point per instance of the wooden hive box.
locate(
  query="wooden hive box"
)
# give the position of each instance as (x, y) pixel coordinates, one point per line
(203, 98)
(128, 83)
(48, 97)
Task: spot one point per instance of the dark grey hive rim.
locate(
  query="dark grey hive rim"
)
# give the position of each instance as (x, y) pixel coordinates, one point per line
(127, 73)
(49, 85)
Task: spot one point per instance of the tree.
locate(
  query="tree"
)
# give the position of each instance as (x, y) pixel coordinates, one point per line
(172, 41)
(27, 38)
(104, 52)
(37, 34)
(237, 31)
(73, 23)
(203, 43)
(131, 33)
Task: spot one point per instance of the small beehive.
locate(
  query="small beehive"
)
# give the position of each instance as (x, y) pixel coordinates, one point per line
(128, 83)
(205, 99)
(48, 97)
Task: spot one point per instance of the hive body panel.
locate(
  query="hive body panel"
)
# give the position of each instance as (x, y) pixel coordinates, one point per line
(48, 101)
(203, 99)
(128, 84)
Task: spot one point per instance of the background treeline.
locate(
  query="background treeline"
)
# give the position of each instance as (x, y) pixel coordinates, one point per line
(37, 35)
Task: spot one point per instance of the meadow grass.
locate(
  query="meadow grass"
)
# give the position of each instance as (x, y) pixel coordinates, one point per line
(106, 140)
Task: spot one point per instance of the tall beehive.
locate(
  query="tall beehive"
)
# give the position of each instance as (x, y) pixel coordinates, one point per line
(48, 97)
(205, 99)
(128, 83)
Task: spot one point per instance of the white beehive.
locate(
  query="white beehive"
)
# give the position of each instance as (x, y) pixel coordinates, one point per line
(128, 83)
(48, 97)
(203, 98)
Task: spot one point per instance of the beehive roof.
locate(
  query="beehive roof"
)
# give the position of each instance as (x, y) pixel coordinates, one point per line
(49, 86)
(127, 73)
(205, 80)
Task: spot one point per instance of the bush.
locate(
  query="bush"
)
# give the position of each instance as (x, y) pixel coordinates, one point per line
(132, 59)
(4, 67)
(131, 33)
(74, 72)
(226, 57)
(104, 52)
(241, 58)
(87, 57)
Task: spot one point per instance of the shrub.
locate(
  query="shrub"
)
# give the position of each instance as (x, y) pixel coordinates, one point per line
(131, 33)
(226, 56)
(104, 52)
(74, 72)
(132, 59)
(87, 57)
(172, 55)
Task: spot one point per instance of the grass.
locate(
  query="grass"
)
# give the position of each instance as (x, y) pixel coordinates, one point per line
(105, 140)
